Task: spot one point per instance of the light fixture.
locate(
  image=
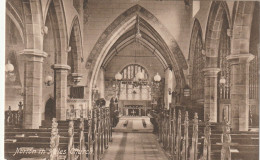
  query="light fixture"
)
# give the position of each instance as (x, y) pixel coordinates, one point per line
(48, 80)
(222, 80)
(9, 67)
(140, 75)
(118, 76)
(157, 77)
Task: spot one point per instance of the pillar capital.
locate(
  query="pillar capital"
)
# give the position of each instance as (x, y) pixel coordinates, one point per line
(60, 67)
(76, 77)
(211, 72)
(34, 54)
(240, 58)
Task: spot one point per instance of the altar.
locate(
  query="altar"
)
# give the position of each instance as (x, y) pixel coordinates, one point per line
(134, 112)
(134, 108)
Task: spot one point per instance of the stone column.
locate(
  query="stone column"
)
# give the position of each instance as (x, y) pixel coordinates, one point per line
(210, 93)
(61, 72)
(239, 93)
(33, 82)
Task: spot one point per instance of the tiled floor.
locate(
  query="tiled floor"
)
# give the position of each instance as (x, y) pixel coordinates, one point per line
(134, 146)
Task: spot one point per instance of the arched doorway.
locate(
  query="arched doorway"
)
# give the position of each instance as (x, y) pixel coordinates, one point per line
(50, 109)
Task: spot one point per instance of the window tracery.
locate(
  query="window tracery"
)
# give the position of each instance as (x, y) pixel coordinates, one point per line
(129, 91)
(224, 65)
(198, 66)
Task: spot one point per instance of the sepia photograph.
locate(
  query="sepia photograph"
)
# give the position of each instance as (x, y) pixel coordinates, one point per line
(130, 80)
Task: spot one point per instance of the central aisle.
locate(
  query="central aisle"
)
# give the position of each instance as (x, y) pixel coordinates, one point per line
(134, 146)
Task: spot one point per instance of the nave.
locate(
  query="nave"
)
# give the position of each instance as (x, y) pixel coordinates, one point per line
(134, 146)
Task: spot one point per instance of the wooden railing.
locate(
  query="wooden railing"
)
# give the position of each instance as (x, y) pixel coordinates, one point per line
(174, 134)
(14, 117)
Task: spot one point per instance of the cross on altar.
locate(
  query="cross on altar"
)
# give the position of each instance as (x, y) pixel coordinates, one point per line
(133, 112)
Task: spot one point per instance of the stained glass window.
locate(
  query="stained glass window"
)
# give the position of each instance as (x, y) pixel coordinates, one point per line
(224, 65)
(198, 66)
(130, 92)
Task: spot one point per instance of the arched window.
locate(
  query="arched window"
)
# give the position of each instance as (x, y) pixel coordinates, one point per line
(198, 64)
(224, 51)
(128, 91)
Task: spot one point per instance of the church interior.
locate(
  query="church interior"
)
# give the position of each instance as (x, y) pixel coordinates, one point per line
(131, 79)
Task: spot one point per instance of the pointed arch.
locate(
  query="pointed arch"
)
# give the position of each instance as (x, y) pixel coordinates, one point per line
(13, 14)
(243, 15)
(214, 26)
(146, 41)
(55, 7)
(195, 35)
(118, 27)
(33, 34)
(196, 62)
(75, 42)
(45, 12)
(50, 109)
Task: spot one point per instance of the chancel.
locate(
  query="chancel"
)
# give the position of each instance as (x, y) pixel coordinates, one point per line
(131, 79)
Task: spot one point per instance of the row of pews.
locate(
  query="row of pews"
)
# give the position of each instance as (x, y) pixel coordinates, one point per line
(193, 139)
(82, 139)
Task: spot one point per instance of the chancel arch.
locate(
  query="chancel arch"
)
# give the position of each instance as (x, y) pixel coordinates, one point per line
(122, 24)
(147, 40)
